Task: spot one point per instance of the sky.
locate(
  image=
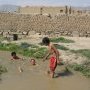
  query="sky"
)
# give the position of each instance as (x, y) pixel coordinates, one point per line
(46, 2)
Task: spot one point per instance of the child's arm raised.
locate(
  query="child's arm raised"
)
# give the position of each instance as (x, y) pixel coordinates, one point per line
(46, 56)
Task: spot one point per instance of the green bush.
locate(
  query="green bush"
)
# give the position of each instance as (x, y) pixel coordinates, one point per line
(28, 53)
(3, 47)
(24, 45)
(84, 52)
(81, 68)
(1, 38)
(36, 53)
(34, 50)
(40, 53)
(9, 47)
(13, 47)
(61, 39)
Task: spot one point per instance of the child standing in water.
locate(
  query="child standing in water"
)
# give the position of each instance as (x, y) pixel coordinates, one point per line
(54, 55)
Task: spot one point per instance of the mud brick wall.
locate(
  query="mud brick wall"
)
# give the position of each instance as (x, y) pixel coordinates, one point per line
(68, 25)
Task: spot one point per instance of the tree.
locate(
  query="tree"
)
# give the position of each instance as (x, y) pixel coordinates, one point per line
(70, 10)
(41, 10)
(66, 10)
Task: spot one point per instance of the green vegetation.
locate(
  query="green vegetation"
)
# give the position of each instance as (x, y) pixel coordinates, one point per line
(84, 52)
(25, 49)
(28, 50)
(36, 53)
(41, 52)
(9, 47)
(81, 68)
(85, 69)
(1, 38)
(26, 45)
(62, 40)
(2, 69)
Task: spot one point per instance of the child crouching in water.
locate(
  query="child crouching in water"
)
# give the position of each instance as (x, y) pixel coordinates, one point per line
(33, 62)
(15, 57)
(54, 55)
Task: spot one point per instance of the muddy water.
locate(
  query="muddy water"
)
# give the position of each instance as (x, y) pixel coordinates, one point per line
(34, 77)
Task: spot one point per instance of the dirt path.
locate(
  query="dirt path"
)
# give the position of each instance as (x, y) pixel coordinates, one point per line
(34, 77)
(80, 43)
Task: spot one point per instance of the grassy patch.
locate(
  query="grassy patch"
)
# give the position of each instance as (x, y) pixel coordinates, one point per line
(9, 47)
(25, 49)
(62, 40)
(41, 52)
(1, 38)
(84, 52)
(81, 68)
(36, 53)
(26, 45)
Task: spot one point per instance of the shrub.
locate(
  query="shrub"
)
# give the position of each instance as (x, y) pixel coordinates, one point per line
(40, 53)
(84, 52)
(34, 51)
(81, 68)
(24, 45)
(28, 53)
(61, 39)
(3, 47)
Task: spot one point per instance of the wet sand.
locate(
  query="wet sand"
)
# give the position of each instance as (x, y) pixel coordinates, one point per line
(34, 77)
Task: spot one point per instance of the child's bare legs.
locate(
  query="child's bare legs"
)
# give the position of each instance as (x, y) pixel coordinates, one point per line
(52, 74)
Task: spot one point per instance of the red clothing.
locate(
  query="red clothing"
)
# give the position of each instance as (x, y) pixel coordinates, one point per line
(53, 63)
(16, 57)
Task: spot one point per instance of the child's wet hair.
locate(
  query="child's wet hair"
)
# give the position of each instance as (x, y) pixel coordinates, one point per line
(32, 59)
(33, 62)
(46, 41)
(13, 53)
